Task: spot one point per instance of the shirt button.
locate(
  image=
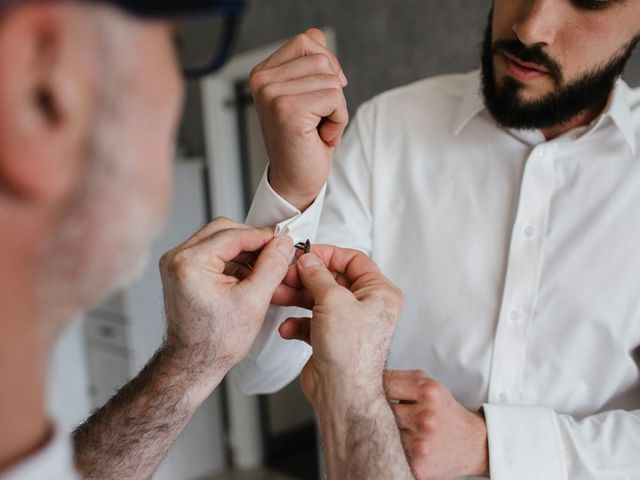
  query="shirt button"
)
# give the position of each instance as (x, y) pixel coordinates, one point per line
(503, 397)
(530, 231)
(516, 314)
(542, 153)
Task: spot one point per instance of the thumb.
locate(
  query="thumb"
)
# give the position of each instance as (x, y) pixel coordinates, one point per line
(315, 277)
(269, 270)
(331, 132)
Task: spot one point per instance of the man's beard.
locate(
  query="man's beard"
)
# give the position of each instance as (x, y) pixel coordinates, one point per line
(103, 240)
(509, 109)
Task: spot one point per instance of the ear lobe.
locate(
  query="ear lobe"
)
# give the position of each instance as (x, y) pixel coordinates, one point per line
(45, 99)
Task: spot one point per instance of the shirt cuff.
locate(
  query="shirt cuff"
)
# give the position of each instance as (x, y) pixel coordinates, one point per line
(269, 209)
(524, 443)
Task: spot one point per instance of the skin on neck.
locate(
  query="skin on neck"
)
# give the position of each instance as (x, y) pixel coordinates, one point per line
(23, 350)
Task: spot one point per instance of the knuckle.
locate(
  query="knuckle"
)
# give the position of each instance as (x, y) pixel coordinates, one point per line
(267, 93)
(222, 223)
(432, 391)
(419, 451)
(282, 108)
(421, 374)
(323, 63)
(180, 264)
(426, 422)
(256, 80)
(336, 94)
(396, 297)
(301, 40)
(165, 259)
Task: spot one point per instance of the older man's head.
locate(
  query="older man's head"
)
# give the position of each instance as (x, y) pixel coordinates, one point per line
(90, 97)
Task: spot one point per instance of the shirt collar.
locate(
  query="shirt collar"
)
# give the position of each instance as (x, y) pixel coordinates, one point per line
(472, 103)
(619, 111)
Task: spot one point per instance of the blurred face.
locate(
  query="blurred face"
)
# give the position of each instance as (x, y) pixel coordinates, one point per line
(545, 62)
(121, 201)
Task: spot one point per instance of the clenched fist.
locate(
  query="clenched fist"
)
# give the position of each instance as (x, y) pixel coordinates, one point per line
(298, 92)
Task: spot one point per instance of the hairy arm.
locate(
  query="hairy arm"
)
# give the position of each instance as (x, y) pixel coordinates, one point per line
(361, 439)
(355, 309)
(129, 437)
(214, 311)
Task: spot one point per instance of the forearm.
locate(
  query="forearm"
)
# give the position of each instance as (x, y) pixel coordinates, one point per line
(131, 435)
(360, 437)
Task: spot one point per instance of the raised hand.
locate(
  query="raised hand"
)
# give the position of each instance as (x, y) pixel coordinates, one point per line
(303, 113)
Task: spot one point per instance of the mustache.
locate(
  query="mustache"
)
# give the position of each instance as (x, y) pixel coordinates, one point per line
(533, 54)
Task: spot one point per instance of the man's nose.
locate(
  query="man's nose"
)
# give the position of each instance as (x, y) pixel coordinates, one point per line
(539, 22)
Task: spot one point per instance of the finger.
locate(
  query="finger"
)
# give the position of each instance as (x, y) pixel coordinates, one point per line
(405, 415)
(402, 389)
(224, 246)
(287, 296)
(269, 269)
(317, 35)
(299, 86)
(219, 224)
(292, 278)
(301, 46)
(316, 64)
(296, 329)
(315, 277)
(331, 132)
(352, 264)
(406, 374)
(328, 104)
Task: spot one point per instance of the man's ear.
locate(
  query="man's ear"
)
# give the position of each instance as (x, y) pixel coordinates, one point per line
(46, 98)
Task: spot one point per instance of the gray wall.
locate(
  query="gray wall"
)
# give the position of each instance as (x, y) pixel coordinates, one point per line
(381, 43)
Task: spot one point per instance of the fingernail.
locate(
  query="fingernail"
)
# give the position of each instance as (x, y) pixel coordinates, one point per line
(309, 260)
(285, 244)
(343, 78)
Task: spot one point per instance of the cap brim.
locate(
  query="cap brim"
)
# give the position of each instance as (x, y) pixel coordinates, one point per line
(182, 8)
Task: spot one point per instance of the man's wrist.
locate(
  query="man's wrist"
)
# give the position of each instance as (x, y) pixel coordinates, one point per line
(347, 391)
(301, 201)
(481, 464)
(196, 373)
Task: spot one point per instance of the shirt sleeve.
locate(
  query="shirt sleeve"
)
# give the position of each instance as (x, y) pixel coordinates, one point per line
(530, 443)
(343, 219)
(272, 361)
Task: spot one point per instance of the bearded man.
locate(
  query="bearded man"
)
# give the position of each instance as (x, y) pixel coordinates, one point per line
(504, 204)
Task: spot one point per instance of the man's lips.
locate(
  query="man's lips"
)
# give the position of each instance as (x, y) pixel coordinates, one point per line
(525, 65)
(523, 71)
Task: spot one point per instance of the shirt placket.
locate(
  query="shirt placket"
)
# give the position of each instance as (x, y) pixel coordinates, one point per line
(522, 276)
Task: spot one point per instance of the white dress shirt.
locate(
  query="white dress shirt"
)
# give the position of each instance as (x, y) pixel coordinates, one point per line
(519, 259)
(53, 462)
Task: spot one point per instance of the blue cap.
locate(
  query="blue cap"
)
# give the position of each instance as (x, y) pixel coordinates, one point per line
(182, 8)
